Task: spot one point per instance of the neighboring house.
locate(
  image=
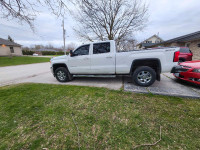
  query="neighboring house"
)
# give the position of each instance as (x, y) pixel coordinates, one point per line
(150, 41)
(8, 48)
(191, 40)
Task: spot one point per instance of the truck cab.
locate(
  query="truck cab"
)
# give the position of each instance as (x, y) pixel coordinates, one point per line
(93, 58)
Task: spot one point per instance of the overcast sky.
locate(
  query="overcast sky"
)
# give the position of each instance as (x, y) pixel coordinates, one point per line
(169, 18)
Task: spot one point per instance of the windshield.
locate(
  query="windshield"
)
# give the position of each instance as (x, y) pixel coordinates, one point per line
(185, 50)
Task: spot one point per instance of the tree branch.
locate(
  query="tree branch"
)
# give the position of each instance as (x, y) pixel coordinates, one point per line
(110, 19)
(25, 10)
(153, 143)
(78, 132)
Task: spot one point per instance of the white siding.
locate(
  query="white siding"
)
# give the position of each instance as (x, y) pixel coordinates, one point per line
(153, 39)
(5, 51)
(17, 51)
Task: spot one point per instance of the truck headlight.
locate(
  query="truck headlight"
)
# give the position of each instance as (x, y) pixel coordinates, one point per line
(196, 70)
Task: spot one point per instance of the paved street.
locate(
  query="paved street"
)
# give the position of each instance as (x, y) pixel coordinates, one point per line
(40, 73)
(17, 74)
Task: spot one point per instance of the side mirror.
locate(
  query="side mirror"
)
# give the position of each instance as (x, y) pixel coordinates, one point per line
(71, 53)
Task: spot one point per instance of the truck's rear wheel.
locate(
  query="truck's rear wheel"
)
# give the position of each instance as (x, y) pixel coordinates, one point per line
(63, 75)
(144, 76)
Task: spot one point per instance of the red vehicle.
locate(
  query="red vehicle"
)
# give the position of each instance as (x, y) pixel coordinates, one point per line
(188, 71)
(185, 54)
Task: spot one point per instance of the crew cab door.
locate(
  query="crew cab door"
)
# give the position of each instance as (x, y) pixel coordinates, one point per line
(80, 62)
(102, 58)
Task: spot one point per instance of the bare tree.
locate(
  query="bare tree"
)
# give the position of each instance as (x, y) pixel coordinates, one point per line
(26, 10)
(127, 44)
(71, 46)
(49, 46)
(37, 47)
(110, 19)
(10, 39)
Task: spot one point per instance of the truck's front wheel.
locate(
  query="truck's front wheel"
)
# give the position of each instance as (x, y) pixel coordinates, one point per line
(63, 75)
(144, 76)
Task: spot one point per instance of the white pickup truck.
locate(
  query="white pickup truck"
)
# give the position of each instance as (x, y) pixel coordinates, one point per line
(102, 58)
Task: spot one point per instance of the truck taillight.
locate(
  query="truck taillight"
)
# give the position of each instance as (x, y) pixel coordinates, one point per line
(176, 56)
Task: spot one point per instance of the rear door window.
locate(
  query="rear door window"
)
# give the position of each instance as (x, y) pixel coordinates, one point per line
(101, 48)
(185, 50)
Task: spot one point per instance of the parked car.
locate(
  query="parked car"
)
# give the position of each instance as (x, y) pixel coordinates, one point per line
(188, 71)
(102, 58)
(35, 54)
(185, 54)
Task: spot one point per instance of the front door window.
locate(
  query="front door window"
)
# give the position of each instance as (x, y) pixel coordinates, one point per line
(83, 50)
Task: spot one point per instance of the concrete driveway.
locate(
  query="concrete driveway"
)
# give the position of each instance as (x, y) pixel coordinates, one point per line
(40, 73)
(168, 85)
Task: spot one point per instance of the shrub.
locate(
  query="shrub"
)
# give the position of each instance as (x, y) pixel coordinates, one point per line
(27, 52)
(52, 53)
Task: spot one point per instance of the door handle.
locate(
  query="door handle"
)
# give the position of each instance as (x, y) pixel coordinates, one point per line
(108, 57)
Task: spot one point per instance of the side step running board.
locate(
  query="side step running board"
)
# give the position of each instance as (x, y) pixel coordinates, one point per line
(99, 76)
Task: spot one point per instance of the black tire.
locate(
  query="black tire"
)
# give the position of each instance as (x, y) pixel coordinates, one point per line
(63, 75)
(144, 76)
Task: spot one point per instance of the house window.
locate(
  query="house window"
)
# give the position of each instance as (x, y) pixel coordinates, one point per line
(187, 45)
(199, 45)
(11, 49)
(148, 41)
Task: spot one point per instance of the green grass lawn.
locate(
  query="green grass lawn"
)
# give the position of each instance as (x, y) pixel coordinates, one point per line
(36, 116)
(6, 61)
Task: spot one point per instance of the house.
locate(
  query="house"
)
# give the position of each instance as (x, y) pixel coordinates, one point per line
(191, 40)
(9, 48)
(149, 42)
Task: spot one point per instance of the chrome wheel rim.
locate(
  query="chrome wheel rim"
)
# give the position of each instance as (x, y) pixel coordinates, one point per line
(144, 77)
(61, 75)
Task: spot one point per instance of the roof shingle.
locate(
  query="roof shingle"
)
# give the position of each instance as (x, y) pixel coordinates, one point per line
(185, 38)
(8, 42)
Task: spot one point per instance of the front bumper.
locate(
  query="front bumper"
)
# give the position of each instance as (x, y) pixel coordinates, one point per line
(178, 69)
(192, 79)
(187, 74)
(51, 68)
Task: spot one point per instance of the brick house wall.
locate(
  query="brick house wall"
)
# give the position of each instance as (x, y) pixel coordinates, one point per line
(174, 44)
(195, 49)
(192, 45)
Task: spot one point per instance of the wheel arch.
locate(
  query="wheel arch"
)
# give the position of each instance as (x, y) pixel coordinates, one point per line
(150, 62)
(57, 65)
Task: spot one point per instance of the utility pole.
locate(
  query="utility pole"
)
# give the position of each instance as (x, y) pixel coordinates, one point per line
(64, 32)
